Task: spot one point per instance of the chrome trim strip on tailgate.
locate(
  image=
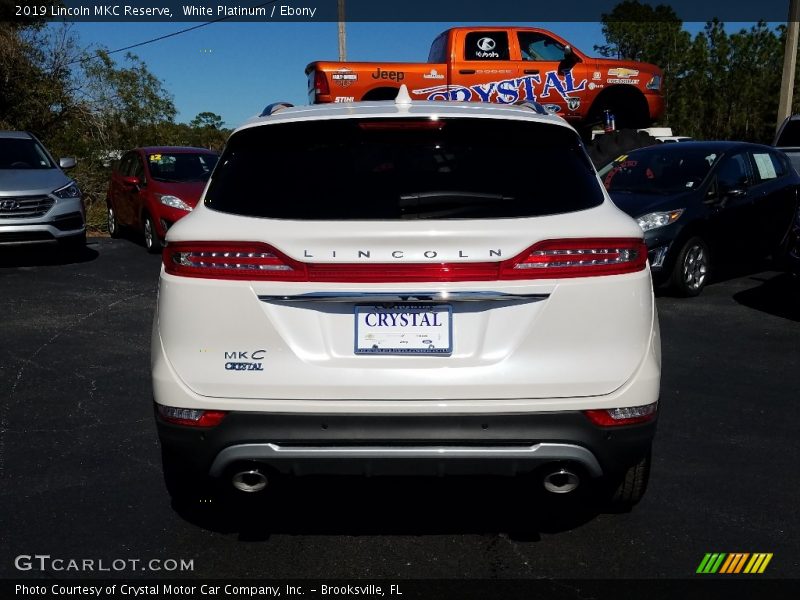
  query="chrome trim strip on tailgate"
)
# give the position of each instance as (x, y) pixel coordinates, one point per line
(382, 297)
(539, 453)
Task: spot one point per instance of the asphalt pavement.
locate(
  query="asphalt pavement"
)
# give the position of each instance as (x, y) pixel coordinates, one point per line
(81, 474)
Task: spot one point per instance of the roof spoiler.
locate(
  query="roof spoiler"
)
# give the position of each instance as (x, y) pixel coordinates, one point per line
(534, 106)
(271, 109)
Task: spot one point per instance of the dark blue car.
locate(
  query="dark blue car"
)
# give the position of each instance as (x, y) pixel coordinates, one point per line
(704, 203)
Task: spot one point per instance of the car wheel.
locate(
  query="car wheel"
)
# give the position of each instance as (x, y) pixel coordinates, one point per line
(111, 222)
(626, 491)
(151, 241)
(690, 271)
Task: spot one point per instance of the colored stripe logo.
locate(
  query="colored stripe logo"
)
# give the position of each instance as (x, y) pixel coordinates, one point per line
(734, 563)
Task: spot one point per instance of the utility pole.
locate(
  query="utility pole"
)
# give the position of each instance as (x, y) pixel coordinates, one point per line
(343, 43)
(789, 62)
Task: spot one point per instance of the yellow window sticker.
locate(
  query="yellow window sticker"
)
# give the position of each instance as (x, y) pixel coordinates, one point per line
(155, 158)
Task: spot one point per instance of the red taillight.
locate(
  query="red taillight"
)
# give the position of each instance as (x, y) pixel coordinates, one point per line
(321, 84)
(578, 258)
(614, 417)
(190, 417)
(551, 259)
(402, 124)
(220, 260)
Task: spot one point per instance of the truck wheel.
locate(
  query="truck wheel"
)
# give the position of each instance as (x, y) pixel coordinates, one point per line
(384, 93)
(605, 148)
(626, 491)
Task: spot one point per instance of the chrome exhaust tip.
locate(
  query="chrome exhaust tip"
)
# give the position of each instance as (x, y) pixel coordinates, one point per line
(249, 482)
(561, 482)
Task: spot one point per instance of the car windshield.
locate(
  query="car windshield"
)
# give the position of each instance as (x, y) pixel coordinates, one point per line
(655, 170)
(181, 167)
(407, 168)
(20, 153)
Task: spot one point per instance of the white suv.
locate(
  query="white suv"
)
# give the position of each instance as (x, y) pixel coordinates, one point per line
(406, 287)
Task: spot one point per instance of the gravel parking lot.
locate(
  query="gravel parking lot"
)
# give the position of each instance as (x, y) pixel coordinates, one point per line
(81, 472)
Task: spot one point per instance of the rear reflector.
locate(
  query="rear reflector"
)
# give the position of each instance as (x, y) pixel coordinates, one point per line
(551, 259)
(190, 417)
(613, 417)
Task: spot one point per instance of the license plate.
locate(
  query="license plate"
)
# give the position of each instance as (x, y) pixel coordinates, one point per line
(405, 329)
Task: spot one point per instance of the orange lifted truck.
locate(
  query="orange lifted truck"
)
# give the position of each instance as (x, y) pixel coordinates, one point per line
(505, 65)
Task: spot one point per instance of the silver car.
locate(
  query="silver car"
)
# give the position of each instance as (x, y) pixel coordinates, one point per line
(38, 202)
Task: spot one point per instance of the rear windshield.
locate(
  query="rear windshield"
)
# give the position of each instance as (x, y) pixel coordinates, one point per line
(392, 169)
(181, 167)
(17, 153)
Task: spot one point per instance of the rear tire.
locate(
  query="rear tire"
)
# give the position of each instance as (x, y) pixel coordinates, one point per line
(690, 271)
(626, 491)
(605, 148)
(151, 239)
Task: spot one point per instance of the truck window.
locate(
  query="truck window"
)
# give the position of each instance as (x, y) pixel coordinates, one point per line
(486, 45)
(438, 53)
(538, 46)
(403, 168)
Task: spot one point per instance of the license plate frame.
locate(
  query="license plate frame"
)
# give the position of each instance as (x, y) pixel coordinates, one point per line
(398, 341)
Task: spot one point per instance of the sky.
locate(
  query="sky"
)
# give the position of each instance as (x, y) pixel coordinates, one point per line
(236, 69)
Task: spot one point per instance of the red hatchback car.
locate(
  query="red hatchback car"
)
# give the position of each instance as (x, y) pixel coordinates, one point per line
(153, 187)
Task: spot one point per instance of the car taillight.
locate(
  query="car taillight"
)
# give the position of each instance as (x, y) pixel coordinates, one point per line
(219, 260)
(614, 417)
(578, 258)
(403, 125)
(551, 259)
(321, 84)
(190, 417)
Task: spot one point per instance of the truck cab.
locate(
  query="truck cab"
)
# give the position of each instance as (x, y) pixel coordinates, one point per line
(504, 65)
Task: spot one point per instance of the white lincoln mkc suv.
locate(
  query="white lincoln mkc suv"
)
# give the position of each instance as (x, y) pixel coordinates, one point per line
(406, 287)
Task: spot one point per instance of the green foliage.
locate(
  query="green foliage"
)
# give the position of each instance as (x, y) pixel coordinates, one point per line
(717, 85)
(89, 105)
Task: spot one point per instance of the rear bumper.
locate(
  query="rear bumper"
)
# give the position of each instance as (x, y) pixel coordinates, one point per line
(501, 444)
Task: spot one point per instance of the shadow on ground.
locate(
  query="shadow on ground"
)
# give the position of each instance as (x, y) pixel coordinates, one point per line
(778, 296)
(394, 506)
(38, 255)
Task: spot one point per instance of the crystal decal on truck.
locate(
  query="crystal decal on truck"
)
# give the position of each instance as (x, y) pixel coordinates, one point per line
(507, 91)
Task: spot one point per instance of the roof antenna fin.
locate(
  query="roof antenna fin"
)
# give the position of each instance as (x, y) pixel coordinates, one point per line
(403, 97)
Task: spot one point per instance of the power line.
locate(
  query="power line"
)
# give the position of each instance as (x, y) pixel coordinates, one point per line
(169, 35)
